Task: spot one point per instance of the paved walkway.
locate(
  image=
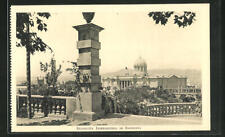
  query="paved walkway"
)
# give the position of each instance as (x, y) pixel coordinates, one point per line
(118, 119)
(39, 120)
(112, 119)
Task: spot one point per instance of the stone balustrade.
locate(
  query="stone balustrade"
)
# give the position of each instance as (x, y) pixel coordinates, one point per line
(67, 105)
(53, 104)
(184, 90)
(170, 109)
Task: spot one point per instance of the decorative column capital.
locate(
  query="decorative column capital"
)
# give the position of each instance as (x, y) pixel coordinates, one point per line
(88, 31)
(89, 26)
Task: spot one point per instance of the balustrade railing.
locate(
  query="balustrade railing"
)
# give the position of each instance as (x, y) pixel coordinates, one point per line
(170, 109)
(54, 104)
(184, 90)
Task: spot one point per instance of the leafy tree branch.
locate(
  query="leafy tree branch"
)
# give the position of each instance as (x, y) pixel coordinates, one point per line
(29, 39)
(182, 20)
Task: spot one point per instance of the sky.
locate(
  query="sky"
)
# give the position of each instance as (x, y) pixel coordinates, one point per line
(127, 35)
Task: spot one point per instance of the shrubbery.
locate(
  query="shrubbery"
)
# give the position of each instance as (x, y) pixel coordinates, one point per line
(128, 100)
(167, 96)
(186, 98)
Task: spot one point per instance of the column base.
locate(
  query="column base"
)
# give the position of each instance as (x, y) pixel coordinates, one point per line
(88, 107)
(87, 116)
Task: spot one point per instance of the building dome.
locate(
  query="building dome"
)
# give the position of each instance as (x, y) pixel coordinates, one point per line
(140, 62)
(140, 65)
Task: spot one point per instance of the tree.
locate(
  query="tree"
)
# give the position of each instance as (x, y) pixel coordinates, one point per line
(76, 72)
(51, 76)
(182, 20)
(30, 41)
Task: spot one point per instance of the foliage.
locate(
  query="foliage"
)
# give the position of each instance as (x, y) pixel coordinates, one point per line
(69, 85)
(108, 102)
(81, 81)
(189, 99)
(160, 17)
(135, 94)
(76, 72)
(127, 100)
(187, 18)
(186, 98)
(131, 100)
(135, 100)
(67, 89)
(167, 96)
(43, 90)
(52, 75)
(199, 97)
(30, 40)
(182, 96)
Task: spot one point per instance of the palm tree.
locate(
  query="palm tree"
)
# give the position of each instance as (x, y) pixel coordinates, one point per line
(30, 41)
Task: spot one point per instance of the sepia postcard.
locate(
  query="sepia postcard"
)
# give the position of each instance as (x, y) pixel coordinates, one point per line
(97, 68)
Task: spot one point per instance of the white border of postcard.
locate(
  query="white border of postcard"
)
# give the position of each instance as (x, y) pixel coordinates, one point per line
(120, 8)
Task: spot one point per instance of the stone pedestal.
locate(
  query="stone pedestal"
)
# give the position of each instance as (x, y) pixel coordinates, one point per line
(70, 106)
(89, 107)
(89, 104)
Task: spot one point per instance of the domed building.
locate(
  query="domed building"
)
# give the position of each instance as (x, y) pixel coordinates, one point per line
(140, 65)
(139, 77)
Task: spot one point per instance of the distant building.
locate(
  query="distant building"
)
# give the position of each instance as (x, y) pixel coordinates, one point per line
(171, 82)
(139, 77)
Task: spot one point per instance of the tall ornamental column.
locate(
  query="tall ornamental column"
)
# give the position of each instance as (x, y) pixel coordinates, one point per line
(89, 106)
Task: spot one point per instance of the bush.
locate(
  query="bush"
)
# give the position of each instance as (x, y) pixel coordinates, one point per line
(167, 96)
(199, 97)
(43, 90)
(189, 99)
(129, 107)
(108, 104)
(129, 100)
(186, 98)
(182, 97)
